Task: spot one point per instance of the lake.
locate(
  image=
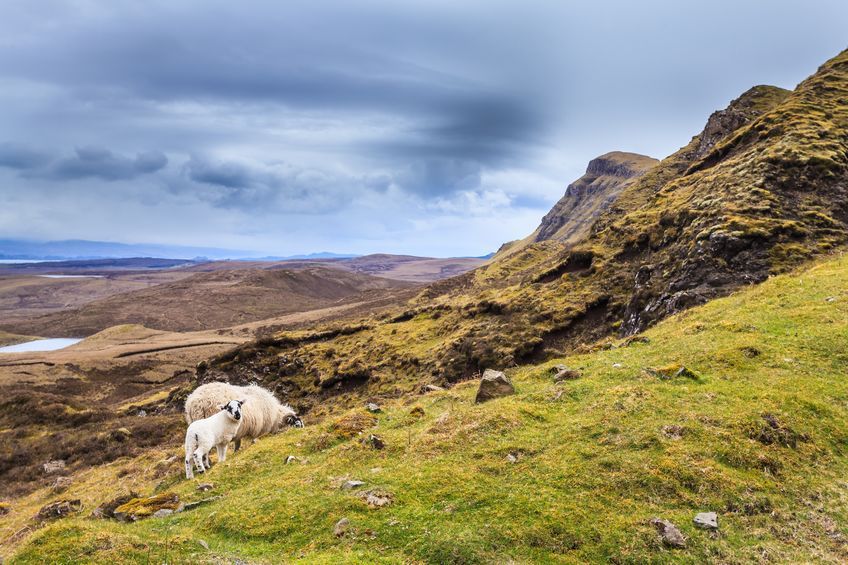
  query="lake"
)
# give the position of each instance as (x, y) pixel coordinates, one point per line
(41, 345)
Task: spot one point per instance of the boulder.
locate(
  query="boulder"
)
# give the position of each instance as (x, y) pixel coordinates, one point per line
(670, 534)
(107, 509)
(61, 484)
(203, 487)
(59, 509)
(493, 384)
(431, 388)
(557, 368)
(373, 408)
(139, 508)
(567, 375)
(706, 521)
(352, 484)
(163, 513)
(52, 467)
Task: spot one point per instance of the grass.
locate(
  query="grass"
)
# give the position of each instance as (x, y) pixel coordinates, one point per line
(757, 433)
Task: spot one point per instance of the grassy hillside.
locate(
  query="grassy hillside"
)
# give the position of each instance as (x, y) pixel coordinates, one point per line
(759, 434)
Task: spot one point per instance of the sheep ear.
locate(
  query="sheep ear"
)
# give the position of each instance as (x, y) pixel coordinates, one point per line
(241, 402)
(222, 407)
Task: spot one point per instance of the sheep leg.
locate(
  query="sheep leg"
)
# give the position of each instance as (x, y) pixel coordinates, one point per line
(237, 443)
(198, 461)
(222, 452)
(206, 461)
(188, 468)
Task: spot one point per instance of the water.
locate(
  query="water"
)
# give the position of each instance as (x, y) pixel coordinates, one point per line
(51, 344)
(71, 276)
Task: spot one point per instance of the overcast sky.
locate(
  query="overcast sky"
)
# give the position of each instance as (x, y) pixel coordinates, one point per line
(432, 128)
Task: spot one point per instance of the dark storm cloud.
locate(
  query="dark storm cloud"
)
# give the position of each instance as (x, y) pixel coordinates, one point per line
(104, 164)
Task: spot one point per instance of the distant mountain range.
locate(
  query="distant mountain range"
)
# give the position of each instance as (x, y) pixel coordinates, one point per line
(12, 249)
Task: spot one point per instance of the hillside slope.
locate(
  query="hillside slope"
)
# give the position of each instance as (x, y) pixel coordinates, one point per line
(757, 434)
(214, 299)
(763, 188)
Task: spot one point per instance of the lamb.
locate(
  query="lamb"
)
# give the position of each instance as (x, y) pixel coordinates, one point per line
(215, 431)
(263, 415)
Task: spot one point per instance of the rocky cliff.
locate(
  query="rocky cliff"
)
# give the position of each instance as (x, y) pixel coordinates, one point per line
(588, 196)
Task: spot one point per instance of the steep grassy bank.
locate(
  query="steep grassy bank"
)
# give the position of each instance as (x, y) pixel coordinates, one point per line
(760, 436)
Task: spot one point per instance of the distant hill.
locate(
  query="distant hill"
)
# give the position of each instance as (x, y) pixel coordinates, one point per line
(82, 249)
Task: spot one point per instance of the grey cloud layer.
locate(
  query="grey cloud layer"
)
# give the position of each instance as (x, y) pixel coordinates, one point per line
(392, 122)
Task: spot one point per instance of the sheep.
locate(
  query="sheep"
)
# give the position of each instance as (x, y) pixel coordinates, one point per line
(263, 415)
(215, 431)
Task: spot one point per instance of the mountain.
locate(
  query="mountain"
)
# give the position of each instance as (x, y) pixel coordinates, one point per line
(761, 189)
(587, 197)
(81, 249)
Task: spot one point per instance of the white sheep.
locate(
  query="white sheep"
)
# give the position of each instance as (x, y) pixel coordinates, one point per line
(215, 431)
(263, 414)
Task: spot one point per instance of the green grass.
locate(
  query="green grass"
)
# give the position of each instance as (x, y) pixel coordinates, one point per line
(594, 463)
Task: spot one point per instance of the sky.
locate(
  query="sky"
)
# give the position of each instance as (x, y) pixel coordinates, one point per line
(431, 127)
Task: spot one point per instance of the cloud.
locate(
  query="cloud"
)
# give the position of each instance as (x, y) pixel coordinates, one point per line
(96, 162)
(20, 157)
(421, 126)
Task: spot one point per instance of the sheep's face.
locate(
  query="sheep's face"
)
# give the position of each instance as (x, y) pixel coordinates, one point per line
(233, 409)
(294, 421)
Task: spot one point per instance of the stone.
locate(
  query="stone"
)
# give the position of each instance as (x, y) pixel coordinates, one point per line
(350, 485)
(59, 509)
(203, 487)
(706, 521)
(4, 508)
(141, 413)
(192, 505)
(567, 375)
(61, 484)
(417, 412)
(341, 527)
(376, 498)
(163, 513)
(290, 459)
(202, 543)
(617, 365)
(375, 441)
(493, 384)
(431, 388)
(373, 408)
(557, 368)
(55, 466)
(670, 534)
(671, 372)
(107, 509)
(511, 458)
(830, 299)
(139, 508)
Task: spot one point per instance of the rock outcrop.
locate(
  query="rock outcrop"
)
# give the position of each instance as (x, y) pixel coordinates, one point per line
(584, 199)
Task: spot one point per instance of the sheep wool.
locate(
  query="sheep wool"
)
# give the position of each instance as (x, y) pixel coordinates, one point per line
(262, 414)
